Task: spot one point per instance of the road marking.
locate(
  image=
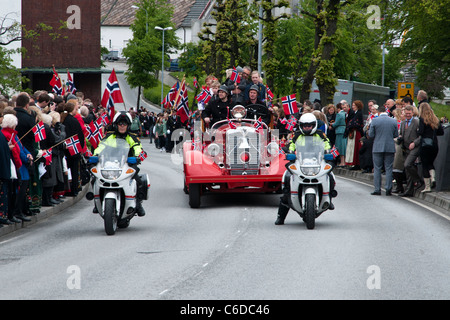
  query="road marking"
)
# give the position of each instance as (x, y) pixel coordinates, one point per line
(162, 292)
(404, 198)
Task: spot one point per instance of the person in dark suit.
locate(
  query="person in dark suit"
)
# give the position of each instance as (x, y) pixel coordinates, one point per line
(383, 129)
(410, 140)
(73, 127)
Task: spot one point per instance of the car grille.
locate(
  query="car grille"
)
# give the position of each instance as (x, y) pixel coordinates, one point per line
(236, 138)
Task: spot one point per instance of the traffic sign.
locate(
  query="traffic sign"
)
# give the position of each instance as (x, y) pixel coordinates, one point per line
(405, 89)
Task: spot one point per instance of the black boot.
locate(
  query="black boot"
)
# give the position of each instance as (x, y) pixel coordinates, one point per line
(282, 213)
(398, 177)
(139, 209)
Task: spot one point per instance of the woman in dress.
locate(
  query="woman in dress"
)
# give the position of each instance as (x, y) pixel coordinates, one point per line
(354, 132)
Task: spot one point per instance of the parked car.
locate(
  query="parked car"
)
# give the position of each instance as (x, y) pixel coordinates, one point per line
(234, 156)
(174, 65)
(111, 56)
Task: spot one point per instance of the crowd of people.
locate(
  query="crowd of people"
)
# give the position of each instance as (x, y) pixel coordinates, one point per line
(36, 173)
(29, 181)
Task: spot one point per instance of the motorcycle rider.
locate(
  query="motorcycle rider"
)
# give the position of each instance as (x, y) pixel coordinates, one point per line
(121, 130)
(307, 127)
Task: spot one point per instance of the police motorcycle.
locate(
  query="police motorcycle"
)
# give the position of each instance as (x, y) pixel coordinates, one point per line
(308, 182)
(114, 190)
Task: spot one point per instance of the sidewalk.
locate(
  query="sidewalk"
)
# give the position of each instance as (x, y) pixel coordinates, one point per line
(437, 199)
(46, 212)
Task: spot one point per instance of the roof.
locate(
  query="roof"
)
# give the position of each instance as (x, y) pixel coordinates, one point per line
(120, 12)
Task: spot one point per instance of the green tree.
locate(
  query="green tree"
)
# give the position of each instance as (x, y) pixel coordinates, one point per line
(422, 29)
(143, 51)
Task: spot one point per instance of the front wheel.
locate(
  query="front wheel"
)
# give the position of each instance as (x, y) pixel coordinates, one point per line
(310, 212)
(110, 217)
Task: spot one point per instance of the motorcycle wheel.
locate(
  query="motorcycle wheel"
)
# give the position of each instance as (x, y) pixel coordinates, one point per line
(110, 217)
(194, 195)
(310, 212)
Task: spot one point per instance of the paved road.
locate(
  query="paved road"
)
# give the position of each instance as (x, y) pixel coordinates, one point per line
(231, 249)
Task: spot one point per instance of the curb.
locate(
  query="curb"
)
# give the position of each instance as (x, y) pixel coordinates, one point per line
(438, 199)
(46, 212)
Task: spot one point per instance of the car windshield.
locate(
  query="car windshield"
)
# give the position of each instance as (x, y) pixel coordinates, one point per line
(310, 150)
(114, 154)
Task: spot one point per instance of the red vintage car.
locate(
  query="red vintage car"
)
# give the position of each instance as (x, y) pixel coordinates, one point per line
(234, 156)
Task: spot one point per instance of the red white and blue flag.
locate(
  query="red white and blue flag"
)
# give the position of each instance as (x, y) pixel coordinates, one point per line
(47, 155)
(143, 155)
(169, 100)
(334, 151)
(269, 94)
(259, 126)
(291, 124)
(231, 124)
(195, 82)
(56, 83)
(70, 85)
(289, 104)
(235, 76)
(182, 104)
(112, 94)
(204, 96)
(39, 132)
(73, 145)
(95, 132)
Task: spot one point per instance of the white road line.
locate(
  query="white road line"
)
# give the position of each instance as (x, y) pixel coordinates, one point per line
(404, 198)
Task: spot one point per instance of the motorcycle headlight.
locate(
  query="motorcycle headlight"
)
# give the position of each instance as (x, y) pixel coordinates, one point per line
(310, 171)
(111, 174)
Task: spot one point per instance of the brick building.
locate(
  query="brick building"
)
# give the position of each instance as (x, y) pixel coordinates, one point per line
(75, 48)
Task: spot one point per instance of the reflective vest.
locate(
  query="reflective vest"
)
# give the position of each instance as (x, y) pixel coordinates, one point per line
(110, 140)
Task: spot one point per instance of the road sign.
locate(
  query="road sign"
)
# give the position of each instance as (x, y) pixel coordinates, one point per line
(405, 89)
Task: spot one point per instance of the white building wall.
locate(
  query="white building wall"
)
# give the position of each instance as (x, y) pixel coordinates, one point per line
(115, 38)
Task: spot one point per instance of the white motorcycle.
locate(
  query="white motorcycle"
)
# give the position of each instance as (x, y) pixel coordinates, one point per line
(114, 189)
(309, 179)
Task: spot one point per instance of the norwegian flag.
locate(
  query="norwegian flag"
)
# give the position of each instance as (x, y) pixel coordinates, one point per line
(143, 155)
(195, 82)
(56, 83)
(95, 133)
(259, 125)
(183, 104)
(112, 94)
(39, 132)
(283, 121)
(291, 124)
(73, 145)
(105, 120)
(289, 104)
(235, 76)
(70, 84)
(334, 151)
(204, 96)
(168, 100)
(47, 155)
(231, 124)
(269, 94)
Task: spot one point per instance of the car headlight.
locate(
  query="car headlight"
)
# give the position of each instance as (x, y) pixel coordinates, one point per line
(111, 174)
(310, 171)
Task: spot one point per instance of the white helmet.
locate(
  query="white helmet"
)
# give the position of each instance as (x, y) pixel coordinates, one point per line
(308, 120)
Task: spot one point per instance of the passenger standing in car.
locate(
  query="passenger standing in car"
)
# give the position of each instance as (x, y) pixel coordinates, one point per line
(218, 109)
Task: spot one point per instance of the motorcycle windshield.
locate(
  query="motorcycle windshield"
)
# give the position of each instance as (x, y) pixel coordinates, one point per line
(113, 155)
(310, 150)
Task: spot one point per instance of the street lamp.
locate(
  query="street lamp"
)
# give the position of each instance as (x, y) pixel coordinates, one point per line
(162, 66)
(146, 17)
